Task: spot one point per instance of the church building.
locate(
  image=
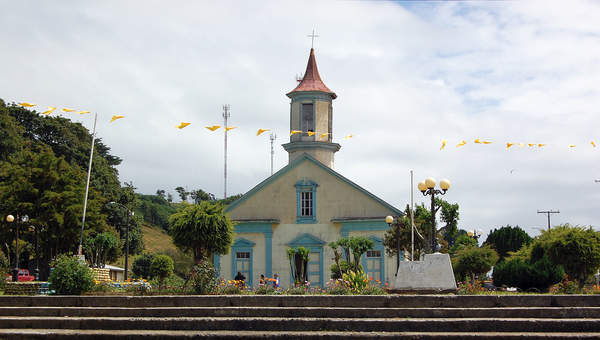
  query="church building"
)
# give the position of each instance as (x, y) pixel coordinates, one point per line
(306, 203)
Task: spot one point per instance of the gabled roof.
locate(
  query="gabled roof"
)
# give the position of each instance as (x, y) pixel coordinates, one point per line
(312, 80)
(306, 240)
(295, 163)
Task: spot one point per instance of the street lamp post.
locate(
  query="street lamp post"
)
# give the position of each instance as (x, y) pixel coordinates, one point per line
(390, 220)
(476, 234)
(36, 271)
(126, 237)
(427, 187)
(10, 219)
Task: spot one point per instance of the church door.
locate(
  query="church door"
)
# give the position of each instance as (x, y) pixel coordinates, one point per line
(314, 268)
(243, 260)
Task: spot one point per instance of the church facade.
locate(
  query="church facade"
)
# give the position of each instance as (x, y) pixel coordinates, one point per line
(306, 203)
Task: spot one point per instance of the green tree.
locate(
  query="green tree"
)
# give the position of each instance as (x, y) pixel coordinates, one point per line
(400, 235)
(463, 240)
(11, 140)
(575, 248)
(202, 228)
(161, 268)
(201, 195)
(299, 258)
(353, 248)
(507, 239)
(70, 276)
(101, 249)
(450, 216)
(141, 265)
(182, 193)
(473, 261)
(520, 273)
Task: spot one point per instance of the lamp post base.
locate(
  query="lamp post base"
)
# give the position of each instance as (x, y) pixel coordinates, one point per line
(433, 274)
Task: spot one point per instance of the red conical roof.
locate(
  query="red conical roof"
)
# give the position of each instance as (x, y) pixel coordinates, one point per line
(312, 81)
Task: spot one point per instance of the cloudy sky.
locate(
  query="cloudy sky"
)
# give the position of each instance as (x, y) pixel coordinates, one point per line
(407, 75)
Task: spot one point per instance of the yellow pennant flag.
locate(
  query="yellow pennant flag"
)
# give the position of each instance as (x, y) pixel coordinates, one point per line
(349, 136)
(571, 145)
(24, 104)
(115, 117)
(293, 132)
(508, 145)
(443, 144)
(323, 135)
(68, 110)
(260, 131)
(521, 145)
(487, 142)
(213, 128)
(182, 125)
(477, 141)
(49, 111)
(593, 144)
(530, 144)
(227, 128)
(463, 142)
(311, 133)
(540, 145)
(83, 112)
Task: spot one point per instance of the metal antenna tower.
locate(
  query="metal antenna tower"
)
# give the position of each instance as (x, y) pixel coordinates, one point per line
(548, 212)
(272, 137)
(226, 115)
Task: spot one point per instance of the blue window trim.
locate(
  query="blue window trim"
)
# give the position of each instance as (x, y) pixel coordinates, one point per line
(314, 244)
(267, 230)
(303, 186)
(242, 245)
(378, 246)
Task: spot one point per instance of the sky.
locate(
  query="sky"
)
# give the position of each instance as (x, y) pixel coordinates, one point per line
(407, 74)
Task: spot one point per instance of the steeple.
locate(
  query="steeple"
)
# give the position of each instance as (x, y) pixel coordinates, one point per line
(312, 80)
(311, 117)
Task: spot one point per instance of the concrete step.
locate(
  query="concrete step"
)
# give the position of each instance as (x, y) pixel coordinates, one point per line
(523, 325)
(387, 301)
(315, 312)
(20, 334)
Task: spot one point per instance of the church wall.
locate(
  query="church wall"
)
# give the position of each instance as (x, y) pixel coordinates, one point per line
(334, 198)
(389, 261)
(322, 118)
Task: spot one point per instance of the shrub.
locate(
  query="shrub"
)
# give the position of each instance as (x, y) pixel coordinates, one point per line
(70, 276)
(172, 284)
(373, 290)
(356, 281)
(141, 265)
(4, 266)
(335, 270)
(473, 261)
(203, 278)
(566, 286)
(229, 288)
(264, 290)
(518, 273)
(299, 290)
(161, 268)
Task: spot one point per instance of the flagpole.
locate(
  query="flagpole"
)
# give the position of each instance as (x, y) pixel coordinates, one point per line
(412, 221)
(87, 187)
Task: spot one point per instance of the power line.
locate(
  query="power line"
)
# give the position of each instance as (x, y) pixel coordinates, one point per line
(226, 115)
(272, 137)
(548, 212)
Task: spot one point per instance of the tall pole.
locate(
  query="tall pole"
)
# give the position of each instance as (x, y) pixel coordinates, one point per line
(126, 245)
(548, 212)
(15, 277)
(87, 187)
(226, 116)
(433, 229)
(272, 137)
(412, 220)
(37, 256)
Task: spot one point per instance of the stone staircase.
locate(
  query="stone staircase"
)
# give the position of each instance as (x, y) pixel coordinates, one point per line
(300, 317)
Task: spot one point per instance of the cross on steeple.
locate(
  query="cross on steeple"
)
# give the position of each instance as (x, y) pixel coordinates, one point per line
(312, 36)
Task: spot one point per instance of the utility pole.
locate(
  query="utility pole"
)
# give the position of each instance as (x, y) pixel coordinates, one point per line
(548, 212)
(272, 137)
(226, 115)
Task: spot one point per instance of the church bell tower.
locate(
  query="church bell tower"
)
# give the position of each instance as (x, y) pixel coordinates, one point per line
(311, 117)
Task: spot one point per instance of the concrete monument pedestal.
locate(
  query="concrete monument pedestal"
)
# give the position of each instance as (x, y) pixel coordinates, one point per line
(432, 275)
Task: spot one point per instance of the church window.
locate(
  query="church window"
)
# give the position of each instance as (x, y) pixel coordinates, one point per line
(306, 192)
(308, 118)
(306, 209)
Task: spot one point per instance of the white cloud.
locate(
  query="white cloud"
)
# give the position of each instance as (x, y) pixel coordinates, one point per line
(406, 77)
